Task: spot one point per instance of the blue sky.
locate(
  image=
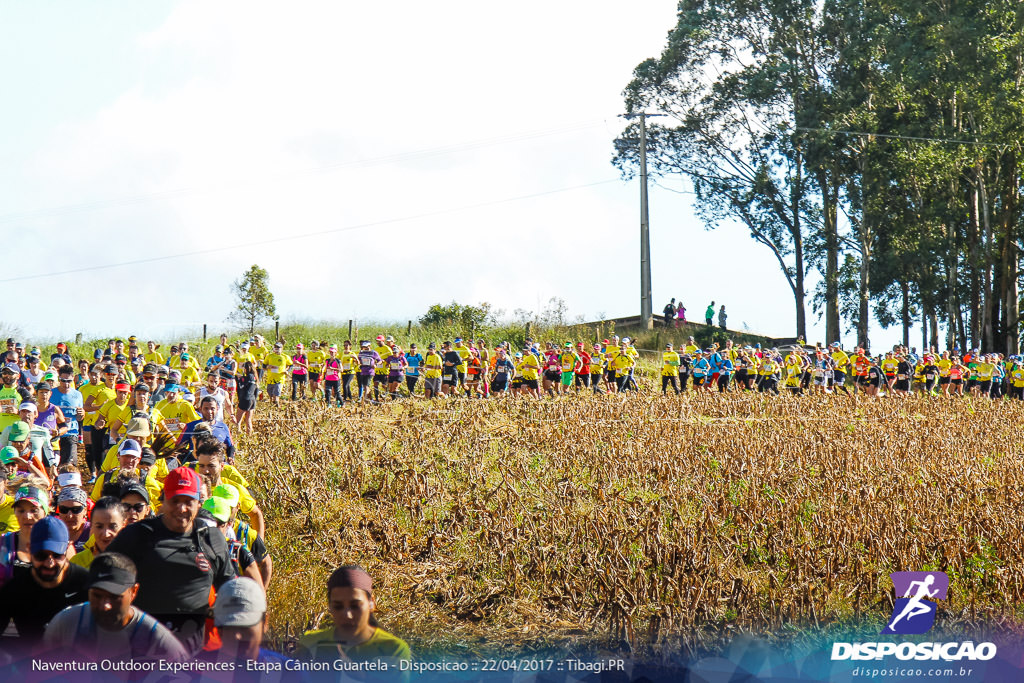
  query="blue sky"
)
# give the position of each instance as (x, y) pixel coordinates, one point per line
(472, 142)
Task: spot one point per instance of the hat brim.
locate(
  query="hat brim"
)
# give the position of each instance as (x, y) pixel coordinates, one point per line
(112, 587)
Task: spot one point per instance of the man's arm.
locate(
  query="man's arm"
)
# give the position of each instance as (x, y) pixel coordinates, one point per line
(256, 520)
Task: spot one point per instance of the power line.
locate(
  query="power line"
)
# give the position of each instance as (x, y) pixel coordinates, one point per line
(902, 137)
(274, 240)
(355, 163)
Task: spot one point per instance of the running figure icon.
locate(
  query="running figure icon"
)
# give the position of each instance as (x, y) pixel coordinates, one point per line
(916, 606)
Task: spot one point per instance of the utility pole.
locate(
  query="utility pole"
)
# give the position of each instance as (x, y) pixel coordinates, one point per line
(646, 303)
(646, 306)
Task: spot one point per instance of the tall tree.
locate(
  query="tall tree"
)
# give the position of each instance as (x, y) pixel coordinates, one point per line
(738, 77)
(254, 300)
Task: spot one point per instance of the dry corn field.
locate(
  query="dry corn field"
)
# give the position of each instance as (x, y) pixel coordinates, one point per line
(665, 523)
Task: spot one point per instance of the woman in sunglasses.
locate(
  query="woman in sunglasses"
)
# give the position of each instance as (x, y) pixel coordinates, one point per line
(72, 507)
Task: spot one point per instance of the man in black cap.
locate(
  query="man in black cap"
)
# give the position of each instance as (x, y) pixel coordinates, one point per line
(108, 627)
(31, 599)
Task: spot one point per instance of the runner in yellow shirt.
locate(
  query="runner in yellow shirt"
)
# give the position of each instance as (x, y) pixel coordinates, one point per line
(176, 412)
(431, 372)
(275, 366)
(315, 362)
(670, 369)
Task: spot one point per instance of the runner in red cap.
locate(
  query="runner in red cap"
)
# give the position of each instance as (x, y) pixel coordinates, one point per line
(178, 560)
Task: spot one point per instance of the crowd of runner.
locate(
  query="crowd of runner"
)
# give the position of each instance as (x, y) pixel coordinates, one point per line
(381, 369)
(126, 529)
(127, 533)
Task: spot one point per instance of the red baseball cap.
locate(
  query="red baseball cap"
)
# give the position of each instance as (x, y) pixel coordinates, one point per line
(181, 482)
(121, 386)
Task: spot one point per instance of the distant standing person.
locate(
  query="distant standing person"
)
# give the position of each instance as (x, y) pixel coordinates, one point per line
(670, 312)
(721, 317)
(680, 314)
(709, 315)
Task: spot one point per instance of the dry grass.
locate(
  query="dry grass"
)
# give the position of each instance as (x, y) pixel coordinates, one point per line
(667, 523)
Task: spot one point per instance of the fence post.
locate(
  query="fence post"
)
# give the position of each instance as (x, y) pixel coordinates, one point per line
(204, 331)
(277, 330)
(78, 338)
(527, 330)
(408, 330)
(350, 330)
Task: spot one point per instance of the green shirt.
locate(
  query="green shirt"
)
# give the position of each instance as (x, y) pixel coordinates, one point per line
(10, 399)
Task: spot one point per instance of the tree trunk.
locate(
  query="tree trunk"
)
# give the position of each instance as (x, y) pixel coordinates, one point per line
(934, 320)
(830, 216)
(972, 264)
(1010, 262)
(987, 300)
(905, 291)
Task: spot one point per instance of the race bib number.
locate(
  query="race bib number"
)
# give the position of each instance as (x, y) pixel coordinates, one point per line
(501, 369)
(396, 365)
(273, 369)
(7, 406)
(365, 361)
(901, 376)
(567, 367)
(173, 425)
(930, 376)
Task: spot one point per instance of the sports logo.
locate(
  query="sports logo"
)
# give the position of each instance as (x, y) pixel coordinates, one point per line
(917, 593)
(202, 562)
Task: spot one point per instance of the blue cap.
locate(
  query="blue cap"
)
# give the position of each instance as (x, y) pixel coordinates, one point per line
(458, 339)
(97, 354)
(49, 534)
(171, 387)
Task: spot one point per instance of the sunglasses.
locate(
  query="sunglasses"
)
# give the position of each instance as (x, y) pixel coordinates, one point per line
(77, 510)
(135, 507)
(65, 381)
(44, 555)
(149, 378)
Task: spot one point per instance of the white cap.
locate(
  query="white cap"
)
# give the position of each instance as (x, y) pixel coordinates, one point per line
(240, 602)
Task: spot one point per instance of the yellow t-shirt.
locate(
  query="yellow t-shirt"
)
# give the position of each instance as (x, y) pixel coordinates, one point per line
(1017, 376)
(944, 365)
(85, 557)
(154, 357)
(841, 359)
(670, 364)
(621, 364)
(111, 411)
(258, 352)
(276, 364)
(321, 646)
(383, 351)
(349, 362)
(151, 484)
(315, 361)
(691, 348)
(529, 367)
(985, 371)
(889, 365)
(242, 358)
(8, 520)
(463, 352)
(432, 366)
(176, 415)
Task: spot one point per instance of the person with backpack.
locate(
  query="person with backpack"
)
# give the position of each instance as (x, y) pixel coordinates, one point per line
(178, 561)
(670, 312)
(108, 627)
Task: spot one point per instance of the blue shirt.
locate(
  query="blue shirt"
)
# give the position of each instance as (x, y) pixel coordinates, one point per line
(415, 360)
(503, 367)
(220, 432)
(68, 403)
(725, 367)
